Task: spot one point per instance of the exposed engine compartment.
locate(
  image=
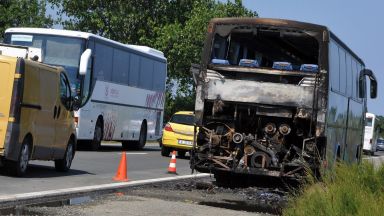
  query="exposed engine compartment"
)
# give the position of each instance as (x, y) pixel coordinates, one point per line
(256, 139)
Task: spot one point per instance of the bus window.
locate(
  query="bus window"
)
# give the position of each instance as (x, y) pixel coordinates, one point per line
(334, 66)
(134, 67)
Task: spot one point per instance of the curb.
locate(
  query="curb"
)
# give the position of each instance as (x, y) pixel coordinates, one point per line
(7, 201)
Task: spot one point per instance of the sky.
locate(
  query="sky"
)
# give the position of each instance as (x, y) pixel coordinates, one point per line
(359, 24)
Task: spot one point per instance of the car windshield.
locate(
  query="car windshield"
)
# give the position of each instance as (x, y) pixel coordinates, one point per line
(182, 119)
(55, 50)
(380, 141)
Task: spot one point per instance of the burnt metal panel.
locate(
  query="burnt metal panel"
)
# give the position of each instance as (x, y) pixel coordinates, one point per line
(260, 93)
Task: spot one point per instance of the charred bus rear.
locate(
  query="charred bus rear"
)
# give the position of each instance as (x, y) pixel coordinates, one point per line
(277, 98)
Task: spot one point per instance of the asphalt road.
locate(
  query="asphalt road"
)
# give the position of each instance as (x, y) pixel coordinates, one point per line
(92, 168)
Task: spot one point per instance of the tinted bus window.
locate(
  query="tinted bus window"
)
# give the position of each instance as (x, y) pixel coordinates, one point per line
(349, 75)
(146, 70)
(103, 63)
(134, 70)
(343, 71)
(120, 66)
(334, 66)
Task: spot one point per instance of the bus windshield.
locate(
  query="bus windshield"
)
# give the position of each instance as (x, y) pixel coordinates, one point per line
(55, 50)
(263, 47)
(368, 122)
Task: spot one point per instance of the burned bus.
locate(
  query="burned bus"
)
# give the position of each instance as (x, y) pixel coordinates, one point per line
(277, 98)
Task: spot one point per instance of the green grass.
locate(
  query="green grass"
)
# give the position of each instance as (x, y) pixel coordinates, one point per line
(347, 190)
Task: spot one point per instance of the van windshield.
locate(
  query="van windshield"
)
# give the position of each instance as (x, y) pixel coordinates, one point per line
(55, 50)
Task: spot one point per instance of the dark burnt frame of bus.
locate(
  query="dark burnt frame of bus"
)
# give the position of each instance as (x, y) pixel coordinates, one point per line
(258, 118)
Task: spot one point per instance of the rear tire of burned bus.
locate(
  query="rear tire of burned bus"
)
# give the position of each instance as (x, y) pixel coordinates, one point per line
(19, 168)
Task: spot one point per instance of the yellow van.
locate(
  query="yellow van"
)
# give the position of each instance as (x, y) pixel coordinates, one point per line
(36, 117)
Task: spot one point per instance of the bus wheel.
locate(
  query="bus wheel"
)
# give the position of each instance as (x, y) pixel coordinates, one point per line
(98, 135)
(142, 138)
(63, 165)
(19, 167)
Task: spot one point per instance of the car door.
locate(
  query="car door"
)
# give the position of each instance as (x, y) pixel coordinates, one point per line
(64, 117)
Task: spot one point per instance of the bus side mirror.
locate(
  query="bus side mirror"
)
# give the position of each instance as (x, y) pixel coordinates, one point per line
(76, 103)
(84, 60)
(373, 84)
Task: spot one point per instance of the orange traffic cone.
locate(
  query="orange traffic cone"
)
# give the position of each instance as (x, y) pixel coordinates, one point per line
(172, 164)
(121, 173)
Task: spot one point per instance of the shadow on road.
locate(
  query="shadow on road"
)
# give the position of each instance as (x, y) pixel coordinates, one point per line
(117, 148)
(42, 171)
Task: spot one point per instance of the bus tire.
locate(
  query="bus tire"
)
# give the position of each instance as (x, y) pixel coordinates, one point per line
(142, 138)
(63, 165)
(19, 168)
(97, 136)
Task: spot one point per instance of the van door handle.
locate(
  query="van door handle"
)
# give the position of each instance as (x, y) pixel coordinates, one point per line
(54, 112)
(58, 112)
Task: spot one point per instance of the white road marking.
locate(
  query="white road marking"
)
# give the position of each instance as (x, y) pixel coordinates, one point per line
(89, 189)
(134, 153)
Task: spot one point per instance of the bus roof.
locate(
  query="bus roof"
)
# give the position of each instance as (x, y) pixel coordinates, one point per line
(370, 115)
(85, 35)
(284, 23)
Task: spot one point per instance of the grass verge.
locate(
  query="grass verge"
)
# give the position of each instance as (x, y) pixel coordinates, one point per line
(348, 190)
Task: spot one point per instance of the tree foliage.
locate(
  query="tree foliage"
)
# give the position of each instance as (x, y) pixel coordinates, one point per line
(23, 13)
(176, 27)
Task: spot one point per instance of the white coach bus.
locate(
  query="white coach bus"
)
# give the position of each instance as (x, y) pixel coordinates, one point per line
(121, 86)
(371, 134)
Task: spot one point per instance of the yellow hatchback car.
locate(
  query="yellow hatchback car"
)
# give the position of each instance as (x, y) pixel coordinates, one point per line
(178, 134)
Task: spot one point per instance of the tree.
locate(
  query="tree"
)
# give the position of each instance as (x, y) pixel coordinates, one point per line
(23, 13)
(182, 43)
(176, 27)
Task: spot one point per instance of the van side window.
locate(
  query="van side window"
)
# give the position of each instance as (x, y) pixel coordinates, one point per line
(65, 91)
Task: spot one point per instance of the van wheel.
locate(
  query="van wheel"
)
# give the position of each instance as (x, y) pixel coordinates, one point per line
(19, 167)
(165, 151)
(63, 165)
(97, 136)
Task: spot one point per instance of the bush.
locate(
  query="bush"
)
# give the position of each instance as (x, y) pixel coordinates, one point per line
(348, 190)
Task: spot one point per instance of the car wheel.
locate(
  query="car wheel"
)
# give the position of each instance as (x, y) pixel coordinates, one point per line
(127, 145)
(19, 167)
(97, 136)
(165, 151)
(181, 153)
(63, 165)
